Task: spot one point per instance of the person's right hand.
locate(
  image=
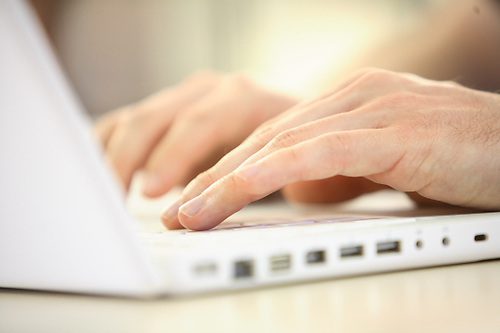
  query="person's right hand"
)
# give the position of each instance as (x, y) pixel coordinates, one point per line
(179, 132)
(438, 139)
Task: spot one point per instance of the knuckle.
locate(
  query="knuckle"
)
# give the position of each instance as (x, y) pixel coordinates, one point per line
(204, 76)
(239, 81)
(370, 75)
(133, 120)
(405, 133)
(206, 178)
(263, 134)
(238, 184)
(341, 143)
(364, 71)
(196, 117)
(284, 139)
(396, 99)
(294, 154)
(341, 148)
(124, 119)
(451, 84)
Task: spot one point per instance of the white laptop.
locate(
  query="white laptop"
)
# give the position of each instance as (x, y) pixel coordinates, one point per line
(64, 226)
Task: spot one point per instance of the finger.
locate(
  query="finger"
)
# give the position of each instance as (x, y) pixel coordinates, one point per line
(359, 90)
(212, 127)
(137, 132)
(332, 190)
(132, 141)
(201, 182)
(339, 188)
(169, 217)
(366, 117)
(190, 141)
(105, 126)
(295, 116)
(259, 139)
(352, 153)
(422, 201)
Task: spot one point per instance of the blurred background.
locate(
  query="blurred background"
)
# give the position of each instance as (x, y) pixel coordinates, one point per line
(118, 51)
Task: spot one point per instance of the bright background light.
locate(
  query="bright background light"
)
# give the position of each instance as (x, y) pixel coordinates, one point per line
(118, 51)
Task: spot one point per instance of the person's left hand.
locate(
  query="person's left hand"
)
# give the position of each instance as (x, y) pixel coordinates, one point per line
(175, 134)
(438, 139)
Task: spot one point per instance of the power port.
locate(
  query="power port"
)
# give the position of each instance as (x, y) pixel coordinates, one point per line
(480, 237)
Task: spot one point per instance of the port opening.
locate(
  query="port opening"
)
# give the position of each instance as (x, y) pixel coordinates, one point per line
(205, 269)
(316, 257)
(243, 269)
(280, 263)
(445, 241)
(388, 247)
(480, 237)
(351, 251)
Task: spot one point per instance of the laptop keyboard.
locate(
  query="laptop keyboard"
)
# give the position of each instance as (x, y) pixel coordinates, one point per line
(154, 232)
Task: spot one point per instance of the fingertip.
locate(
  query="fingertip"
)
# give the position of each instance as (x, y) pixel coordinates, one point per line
(169, 216)
(115, 172)
(154, 185)
(172, 224)
(196, 223)
(190, 214)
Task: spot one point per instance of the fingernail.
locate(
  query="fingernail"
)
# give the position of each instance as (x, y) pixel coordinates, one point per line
(192, 207)
(172, 211)
(249, 172)
(152, 183)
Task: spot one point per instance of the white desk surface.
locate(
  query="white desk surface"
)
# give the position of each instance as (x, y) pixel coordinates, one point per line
(461, 298)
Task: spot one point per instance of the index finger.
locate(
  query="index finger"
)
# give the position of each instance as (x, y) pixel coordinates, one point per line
(350, 153)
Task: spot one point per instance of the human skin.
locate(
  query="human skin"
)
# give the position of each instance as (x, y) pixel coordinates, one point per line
(210, 113)
(181, 131)
(192, 115)
(438, 139)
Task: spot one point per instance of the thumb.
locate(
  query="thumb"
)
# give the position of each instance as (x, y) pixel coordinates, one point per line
(331, 190)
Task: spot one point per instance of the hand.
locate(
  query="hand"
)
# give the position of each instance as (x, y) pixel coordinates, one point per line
(438, 139)
(179, 132)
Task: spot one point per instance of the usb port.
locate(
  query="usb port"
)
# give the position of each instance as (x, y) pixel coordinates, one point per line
(316, 257)
(351, 251)
(280, 263)
(388, 247)
(243, 269)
